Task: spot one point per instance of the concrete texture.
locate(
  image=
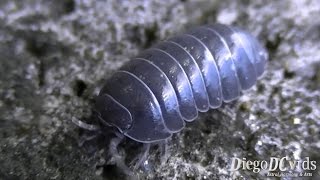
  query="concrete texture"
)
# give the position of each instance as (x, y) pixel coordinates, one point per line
(54, 56)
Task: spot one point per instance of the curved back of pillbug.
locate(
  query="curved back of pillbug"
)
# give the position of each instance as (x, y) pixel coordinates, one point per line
(153, 95)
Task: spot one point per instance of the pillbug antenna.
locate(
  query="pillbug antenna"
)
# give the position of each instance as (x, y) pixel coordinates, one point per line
(79, 123)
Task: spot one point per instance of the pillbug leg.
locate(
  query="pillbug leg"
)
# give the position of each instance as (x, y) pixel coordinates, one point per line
(92, 131)
(87, 137)
(163, 147)
(227, 112)
(142, 157)
(116, 158)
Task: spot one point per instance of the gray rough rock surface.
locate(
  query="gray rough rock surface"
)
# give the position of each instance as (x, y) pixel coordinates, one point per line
(54, 56)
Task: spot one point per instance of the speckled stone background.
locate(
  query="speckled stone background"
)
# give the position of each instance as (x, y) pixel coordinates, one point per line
(55, 55)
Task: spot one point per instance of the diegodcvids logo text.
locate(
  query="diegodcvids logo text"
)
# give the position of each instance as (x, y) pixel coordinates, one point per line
(273, 164)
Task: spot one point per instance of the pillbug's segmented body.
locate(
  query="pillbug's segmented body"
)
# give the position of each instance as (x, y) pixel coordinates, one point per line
(153, 95)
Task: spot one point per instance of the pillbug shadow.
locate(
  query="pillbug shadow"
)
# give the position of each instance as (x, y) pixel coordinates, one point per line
(153, 96)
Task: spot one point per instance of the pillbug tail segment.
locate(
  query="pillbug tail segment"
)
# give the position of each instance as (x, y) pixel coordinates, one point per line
(112, 113)
(261, 55)
(255, 51)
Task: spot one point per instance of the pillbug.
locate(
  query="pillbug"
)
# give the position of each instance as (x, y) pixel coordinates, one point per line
(155, 93)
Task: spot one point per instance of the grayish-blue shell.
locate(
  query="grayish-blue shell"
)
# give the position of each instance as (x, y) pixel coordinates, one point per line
(153, 95)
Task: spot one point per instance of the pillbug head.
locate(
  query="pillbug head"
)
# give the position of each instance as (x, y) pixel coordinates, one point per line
(112, 113)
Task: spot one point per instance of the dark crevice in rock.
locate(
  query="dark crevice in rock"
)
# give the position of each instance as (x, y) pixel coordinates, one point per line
(151, 35)
(79, 87)
(69, 6)
(288, 74)
(273, 46)
(112, 172)
(41, 73)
